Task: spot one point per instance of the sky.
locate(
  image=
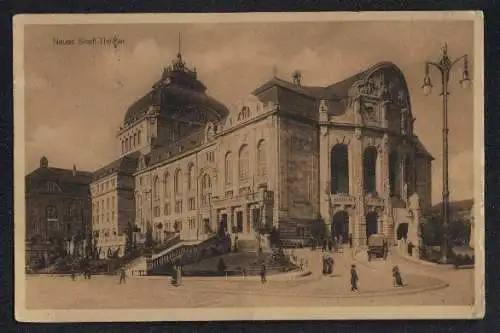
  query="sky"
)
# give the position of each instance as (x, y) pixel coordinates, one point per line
(76, 96)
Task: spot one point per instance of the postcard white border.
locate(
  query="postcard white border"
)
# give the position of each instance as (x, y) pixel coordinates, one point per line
(257, 313)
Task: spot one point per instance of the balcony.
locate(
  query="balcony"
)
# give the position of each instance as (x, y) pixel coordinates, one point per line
(341, 199)
(374, 200)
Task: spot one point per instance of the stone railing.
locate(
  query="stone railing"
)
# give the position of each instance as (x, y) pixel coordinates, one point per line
(341, 199)
(373, 200)
(188, 253)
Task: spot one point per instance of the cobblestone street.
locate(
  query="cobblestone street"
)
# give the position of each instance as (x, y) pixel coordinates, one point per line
(425, 285)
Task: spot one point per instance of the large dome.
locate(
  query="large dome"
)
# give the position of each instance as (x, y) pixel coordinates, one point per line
(178, 89)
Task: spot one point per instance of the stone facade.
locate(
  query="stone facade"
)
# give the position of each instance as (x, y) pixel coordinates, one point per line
(58, 208)
(345, 154)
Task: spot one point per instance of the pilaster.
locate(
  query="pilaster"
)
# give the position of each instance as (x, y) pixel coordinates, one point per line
(356, 166)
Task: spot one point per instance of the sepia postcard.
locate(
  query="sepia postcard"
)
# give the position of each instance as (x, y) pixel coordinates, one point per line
(178, 167)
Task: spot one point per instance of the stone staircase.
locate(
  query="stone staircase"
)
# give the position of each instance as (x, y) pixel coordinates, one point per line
(186, 253)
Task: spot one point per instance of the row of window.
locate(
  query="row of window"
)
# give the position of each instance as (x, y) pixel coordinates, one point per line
(131, 141)
(244, 163)
(104, 186)
(167, 208)
(206, 182)
(96, 219)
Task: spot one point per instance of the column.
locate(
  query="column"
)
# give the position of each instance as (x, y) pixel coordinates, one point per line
(387, 220)
(245, 228)
(324, 173)
(359, 235)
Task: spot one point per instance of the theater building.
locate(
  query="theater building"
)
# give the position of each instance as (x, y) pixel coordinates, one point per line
(289, 155)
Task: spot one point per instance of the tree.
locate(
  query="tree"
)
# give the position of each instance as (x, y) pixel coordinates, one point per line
(432, 230)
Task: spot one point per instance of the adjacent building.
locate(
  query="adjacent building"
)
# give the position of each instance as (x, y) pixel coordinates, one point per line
(289, 155)
(57, 207)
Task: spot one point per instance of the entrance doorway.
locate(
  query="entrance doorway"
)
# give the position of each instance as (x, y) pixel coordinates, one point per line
(239, 221)
(340, 226)
(402, 231)
(256, 218)
(206, 226)
(223, 222)
(371, 224)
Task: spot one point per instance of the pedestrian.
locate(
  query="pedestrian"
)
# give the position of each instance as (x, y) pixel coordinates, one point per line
(324, 262)
(330, 265)
(73, 276)
(398, 280)
(350, 241)
(330, 244)
(354, 278)
(263, 272)
(336, 243)
(122, 275)
(324, 244)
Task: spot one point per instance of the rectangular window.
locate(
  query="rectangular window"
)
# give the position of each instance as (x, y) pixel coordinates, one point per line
(178, 206)
(166, 209)
(112, 215)
(192, 204)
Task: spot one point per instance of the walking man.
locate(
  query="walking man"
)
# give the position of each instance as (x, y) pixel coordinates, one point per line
(122, 275)
(354, 278)
(350, 241)
(263, 273)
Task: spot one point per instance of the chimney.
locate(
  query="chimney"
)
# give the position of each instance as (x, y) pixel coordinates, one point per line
(74, 170)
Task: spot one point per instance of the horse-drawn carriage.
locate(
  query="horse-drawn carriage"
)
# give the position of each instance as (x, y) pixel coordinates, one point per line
(377, 246)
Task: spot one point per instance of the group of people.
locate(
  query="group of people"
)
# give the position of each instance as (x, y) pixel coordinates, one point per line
(331, 243)
(86, 273)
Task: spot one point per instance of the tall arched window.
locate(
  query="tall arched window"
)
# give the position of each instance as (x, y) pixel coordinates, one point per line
(126, 144)
(370, 170)
(191, 177)
(135, 139)
(123, 146)
(340, 169)
(156, 187)
(228, 176)
(178, 181)
(139, 137)
(243, 165)
(261, 158)
(206, 183)
(166, 185)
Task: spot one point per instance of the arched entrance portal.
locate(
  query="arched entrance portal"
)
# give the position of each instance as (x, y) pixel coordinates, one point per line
(371, 224)
(340, 226)
(402, 231)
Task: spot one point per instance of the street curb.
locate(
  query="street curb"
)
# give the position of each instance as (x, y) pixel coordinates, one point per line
(274, 277)
(425, 263)
(328, 296)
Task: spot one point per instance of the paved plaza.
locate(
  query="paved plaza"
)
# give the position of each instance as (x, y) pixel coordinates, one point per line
(424, 285)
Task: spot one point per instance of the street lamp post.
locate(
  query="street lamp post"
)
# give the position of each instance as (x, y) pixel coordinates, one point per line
(444, 66)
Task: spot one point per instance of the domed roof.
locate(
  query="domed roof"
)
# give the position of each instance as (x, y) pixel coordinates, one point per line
(178, 88)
